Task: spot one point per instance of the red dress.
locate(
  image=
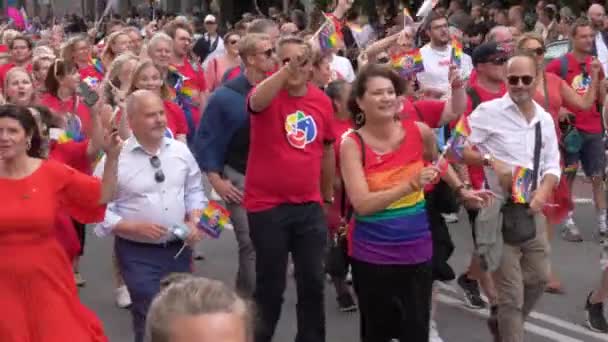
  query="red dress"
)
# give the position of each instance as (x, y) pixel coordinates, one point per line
(38, 297)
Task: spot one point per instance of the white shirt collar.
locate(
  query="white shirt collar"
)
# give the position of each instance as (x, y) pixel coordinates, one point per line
(132, 144)
(509, 105)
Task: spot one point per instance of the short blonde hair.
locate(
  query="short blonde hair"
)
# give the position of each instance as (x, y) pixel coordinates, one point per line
(248, 44)
(157, 38)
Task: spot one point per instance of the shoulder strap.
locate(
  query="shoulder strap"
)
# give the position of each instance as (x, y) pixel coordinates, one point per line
(537, 147)
(475, 99)
(546, 93)
(346, 211)
(563, 67)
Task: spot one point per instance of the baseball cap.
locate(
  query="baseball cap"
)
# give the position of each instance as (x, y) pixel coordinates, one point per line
(210, 18)
(489, 52)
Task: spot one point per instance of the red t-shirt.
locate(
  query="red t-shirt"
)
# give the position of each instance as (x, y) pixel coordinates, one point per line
(286, 148)
(587, 121)
(59, 107)
(91, 76)
(476, 173)
(426, 111)
(73, 154)
(195, 79)
(176, 119)
(4, 69)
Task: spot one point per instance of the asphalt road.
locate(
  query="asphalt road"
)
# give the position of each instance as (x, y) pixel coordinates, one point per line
(556, 318)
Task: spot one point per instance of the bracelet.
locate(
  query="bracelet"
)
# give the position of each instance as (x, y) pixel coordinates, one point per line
(328, 201)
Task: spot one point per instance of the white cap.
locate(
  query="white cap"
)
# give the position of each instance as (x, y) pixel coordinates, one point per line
(209, 18)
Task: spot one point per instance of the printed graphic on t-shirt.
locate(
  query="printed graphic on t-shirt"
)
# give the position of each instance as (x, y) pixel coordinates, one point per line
(301, 129)
(580, 84)
(92, 82)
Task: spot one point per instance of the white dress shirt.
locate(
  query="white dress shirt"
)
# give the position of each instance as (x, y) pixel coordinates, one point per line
(602, 52)
(343, 67)
(141, 198)
(498, 127)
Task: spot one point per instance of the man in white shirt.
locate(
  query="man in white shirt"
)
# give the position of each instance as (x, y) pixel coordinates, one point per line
(159, 187)
(436, 57)
(596, 15)
(505, 130)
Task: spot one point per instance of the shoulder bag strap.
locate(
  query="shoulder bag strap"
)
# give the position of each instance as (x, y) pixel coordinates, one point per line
(546, 92)
(346, 211)
(537, 147)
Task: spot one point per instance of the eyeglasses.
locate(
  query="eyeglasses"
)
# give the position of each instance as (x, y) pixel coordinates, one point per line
(526, 80)
(539, 51)
(159, 176)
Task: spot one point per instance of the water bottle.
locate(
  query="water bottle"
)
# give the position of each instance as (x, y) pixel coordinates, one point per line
(181, 231)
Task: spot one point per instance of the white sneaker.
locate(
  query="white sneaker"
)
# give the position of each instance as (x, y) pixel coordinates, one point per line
(123, 298)
(433, 333)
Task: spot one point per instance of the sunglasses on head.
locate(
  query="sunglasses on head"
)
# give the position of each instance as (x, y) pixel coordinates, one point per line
(526, 80)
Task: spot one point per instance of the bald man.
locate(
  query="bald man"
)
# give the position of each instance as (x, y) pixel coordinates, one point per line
(596, 15)
(159, 189)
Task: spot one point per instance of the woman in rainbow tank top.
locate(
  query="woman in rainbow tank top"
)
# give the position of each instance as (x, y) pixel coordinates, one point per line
(383, 166)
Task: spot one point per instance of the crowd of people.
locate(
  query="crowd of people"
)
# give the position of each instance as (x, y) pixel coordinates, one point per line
(333, 161)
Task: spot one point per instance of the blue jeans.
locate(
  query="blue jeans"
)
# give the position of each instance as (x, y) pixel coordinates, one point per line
(143, 266)
(299, 229)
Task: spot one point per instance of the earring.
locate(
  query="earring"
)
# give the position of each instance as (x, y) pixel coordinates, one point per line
(28, 145)
(359, 119)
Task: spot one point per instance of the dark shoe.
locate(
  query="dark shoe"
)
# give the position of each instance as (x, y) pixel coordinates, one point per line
(493, 323)
(472, 296)
(595, 316)
(346, 303)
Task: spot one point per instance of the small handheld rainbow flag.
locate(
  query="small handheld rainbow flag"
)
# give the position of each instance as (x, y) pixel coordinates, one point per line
(458, 140)
(96, 63)
(214, 219)
(408, 64)
(522, 185)
(328, 36)
(456, 57)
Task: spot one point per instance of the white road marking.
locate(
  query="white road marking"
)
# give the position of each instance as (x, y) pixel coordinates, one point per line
(535, 329)
(539, 316)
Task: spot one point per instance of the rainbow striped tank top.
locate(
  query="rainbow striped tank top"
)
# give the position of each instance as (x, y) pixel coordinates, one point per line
(399, 234)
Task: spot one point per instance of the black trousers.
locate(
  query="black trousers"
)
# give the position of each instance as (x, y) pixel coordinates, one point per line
(81, 232)
(299, 229)
(394, 301)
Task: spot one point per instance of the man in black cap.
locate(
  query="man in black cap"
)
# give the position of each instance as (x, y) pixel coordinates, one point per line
(489, 61)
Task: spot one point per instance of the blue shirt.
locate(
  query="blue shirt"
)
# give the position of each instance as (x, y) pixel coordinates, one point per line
(223, 134)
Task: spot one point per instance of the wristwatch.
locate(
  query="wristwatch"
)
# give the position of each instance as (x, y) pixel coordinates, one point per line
(487, 160)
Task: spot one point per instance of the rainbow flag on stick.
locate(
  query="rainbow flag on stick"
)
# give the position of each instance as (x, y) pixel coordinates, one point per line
(96, 63)
(408, 64)
(458, 140)
(328, 36)
(456, 57)
(214, 219)
(522, 185)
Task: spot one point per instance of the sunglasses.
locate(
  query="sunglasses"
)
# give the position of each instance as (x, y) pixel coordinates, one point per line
(159, 176)
(232, 42)
(286, 61)
(526, 80)
(383, 60)
(499, 60)
(539, 51)
(268, 52)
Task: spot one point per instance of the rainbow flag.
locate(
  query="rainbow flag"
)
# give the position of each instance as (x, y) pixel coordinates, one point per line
(522, 185)
(68, 136)
(328, 36)
(214, 219)
(456, 57)
(408, 64)
(96, 63)
(181, 94)
(458, 140)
